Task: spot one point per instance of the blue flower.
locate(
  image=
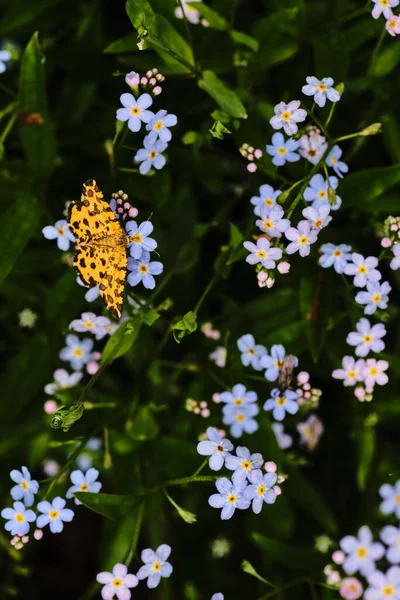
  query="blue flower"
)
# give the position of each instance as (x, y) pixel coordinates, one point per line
(262, 253)
(18, 519)
(243, 464)
(60, 232)
(284, 440)
(333, 160)
(321, 89)
(91, 323)
(338, 256)
(251, 352)
(216, 447)
(239, 397)
(362, 552)
(62, 380)
(282, 403)
(134, 111)
(241, 420)
(5, 56)
(287, 116)
(301, 238)
(317, 192)
(283, 151)
(77, 352)
(390, 495)
(230, 498)
(267, 196)
(376, 296)
(84, 482)
(54, 514)
(260, 490)
(274, 363)
(92, 294)
(140, 241)
(363, 269)
(155, 565)
(271, 221)
(143, 270)
(151, 154)
(160, 123)
(390, 536)
(217, 596)
(26, 487)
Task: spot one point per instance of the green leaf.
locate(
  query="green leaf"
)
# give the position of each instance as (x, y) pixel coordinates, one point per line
(18, 223)
(364, 189)
(188, 324)
(245, 40)
(171, 46)
(122, 339)
(218, 130)
(141, 15)
(186, 515)
(215, 20)
(66, 416)
(150, 317)
(391, 136)
(112, 506)
(250, 570)
(293, 557)
(366, 448)
(144, 426)
(126, 44)
(226, 98)
(38, 140)
(316, 300)
(386, 61)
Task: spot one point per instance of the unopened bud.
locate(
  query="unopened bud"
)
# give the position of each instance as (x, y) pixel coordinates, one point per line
(331, 196)
(340, 88)
(281, 199)
(372, 129)
(284, 267)
(132, 79)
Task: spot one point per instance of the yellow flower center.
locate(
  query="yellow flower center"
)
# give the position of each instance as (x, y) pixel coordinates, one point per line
(89, 324)
(352, 587)
(307, 432)
(137, 238)
(25, 485)
(143, 268)
(373, 371)
(281, 401)
(261, 254)
(376, 298)
(321, 87)
(388, 590)
(190, 8)
(117, 582)
(351, 374)
(268, 201)
(279, 364)
(362, 552)
(152, 154)
(317, 223)
(337, 253)
(19, 517)
(397, 499)
(322, 194)
(240, 417)
(261, 490)
(282, 151)
(367, 339)
(158, 125)
(311, 152)
(135, 110)
(392, 24)
(268, 224)
(250, 351)
(238, 401)
(53, 514)
(84, 487)
(77, 352)
(232, 499)
(362, 269)
(303, 240)
(246, 465)
(384, 2)
(61, 230)
(286, 115)
(333, 160)
(156, 566)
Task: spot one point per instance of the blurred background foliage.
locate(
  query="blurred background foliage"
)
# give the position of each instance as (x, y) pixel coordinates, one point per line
(253, 54)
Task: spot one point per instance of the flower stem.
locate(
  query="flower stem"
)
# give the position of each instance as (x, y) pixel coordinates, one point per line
(206, 292)
(135, 537)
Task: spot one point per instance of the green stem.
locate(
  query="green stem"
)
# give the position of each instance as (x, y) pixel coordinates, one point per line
(355, 13)
(8, 127)
(181, 481)
(201, 467)
(184, 62)
(7, 90)
(206, 292)
(376, 49)
(107, 454)
(188, 32)
(135, 537)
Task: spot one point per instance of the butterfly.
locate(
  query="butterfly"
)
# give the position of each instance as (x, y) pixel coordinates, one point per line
(100, 252)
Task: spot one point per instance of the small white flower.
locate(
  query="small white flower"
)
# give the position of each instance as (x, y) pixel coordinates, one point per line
(287, 116)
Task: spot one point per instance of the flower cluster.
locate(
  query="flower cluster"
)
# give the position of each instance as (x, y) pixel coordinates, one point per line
(198, 408)
(384, 8)
(135, 112)
(252, 155)
(210, 332)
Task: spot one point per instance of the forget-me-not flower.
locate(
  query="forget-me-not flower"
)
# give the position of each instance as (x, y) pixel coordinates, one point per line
(363, 269)
(18, 518)
(260, 490)
(367, 338)
(243, 464)
(60, 232)
(151, 154)
(283, 439)
(287, 116)
(310, 431)
(143, 271)
(374, 372)
(262, 253)
(312, 147)
(351, 371)
(77, 352)
(117, 583)
(361, 552)
(62, 381)
(156, 565)
(338, 256)
(390, 536)
(395, 262)
(317, 191)
(333, 160)
(251, 352)
(281, 403)
(383, 7)
(241, 420)
(321, 89)
(383, 586)
(376, 296)
(91, 323)
(301, 238)
(393, 25)
(5, 56)
(239, 397)
(283, 151)
(391, 499)
(317, 217)
(216, 447)
(54, 514)
(135, 111)
(141, 240)
(84, 482)
(267, 196)
(274, 363)
(230, 498)
(26, 487)
(217, 596)
(190, 13)
(160, 124)
(271, 221)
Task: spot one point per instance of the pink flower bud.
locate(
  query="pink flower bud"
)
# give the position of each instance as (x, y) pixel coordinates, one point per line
(205, 23)
(284, 267)
(203, 404)
(307, 386)
(393, 227)
(281, 479)
(258, 153)
(262, 276)
(25, 539)
(338, 557)
(132, 79)
(92, 367)
(96, 355)
(216, 398)
(133, 212)
(277, 490)
(303, 377)
(250, 149)
(157, 90)
(159, 77)
(270, 282)
(50, 407)
(386, 242)
(333, 577)
(149, 74)
(307, 395)
(143, 80)
(38, 534)
(252, 167)
(153, 81)
(196, 410)
(250, 157)
(125, 196)
(205, 413)
(351, 588)
(270, 466)
(359, 393)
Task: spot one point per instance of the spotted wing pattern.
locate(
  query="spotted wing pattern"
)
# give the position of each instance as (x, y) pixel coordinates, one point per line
(100, 253)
